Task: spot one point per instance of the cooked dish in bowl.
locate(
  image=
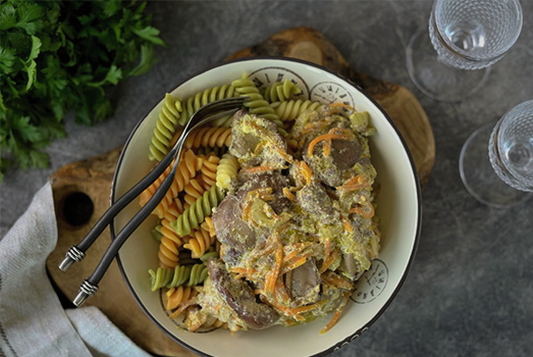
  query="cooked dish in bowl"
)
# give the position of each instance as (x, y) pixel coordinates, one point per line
(271, 218)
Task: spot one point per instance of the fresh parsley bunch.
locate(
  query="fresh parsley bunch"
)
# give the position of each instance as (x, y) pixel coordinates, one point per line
(58, 56)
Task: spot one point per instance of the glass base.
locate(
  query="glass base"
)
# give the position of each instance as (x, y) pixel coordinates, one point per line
(436, 79)
(478, 175)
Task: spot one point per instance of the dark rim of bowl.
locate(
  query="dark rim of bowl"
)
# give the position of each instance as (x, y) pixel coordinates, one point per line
(357, 333)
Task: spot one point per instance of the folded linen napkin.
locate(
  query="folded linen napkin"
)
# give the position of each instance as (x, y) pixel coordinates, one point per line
(32, 320)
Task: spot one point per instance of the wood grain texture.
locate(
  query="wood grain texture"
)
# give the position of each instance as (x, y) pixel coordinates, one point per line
(93, 177)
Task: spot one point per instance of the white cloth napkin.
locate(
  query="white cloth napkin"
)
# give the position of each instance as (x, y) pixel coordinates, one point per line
(32, 321)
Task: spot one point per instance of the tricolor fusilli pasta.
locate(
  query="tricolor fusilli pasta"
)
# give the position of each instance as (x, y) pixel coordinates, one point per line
(281, 91)
(220, 160)
(194, 215)
(290, 110)
(165, 127)
(226, 171)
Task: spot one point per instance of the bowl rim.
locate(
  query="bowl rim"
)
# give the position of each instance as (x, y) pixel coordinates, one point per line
(359, 331)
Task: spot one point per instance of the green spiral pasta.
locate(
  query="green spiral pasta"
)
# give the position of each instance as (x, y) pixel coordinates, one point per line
(195, 214)
(255, 103)
(160, 278)
(209, 255)
(198, 100)
(198, 274)
(281, 91)
(156, 233)
(227, 170)
(181, 275)
(168, 121)
(290, 110)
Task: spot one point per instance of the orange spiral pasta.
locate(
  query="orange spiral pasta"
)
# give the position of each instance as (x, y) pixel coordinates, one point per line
(193, 191)
(210, 137)
(189, 165)
(199, 242)
(209, 170)
(179, 296)
(170, 241)
(168, 253)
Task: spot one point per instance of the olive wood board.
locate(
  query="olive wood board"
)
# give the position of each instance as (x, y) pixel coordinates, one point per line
(78, 185)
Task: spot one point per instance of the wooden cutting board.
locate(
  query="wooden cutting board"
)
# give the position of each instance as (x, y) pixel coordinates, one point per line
(81, 189)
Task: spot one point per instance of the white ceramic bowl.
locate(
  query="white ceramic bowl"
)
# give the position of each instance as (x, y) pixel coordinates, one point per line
(399, 210)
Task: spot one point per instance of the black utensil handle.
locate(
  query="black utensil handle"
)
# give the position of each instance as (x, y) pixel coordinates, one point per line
(129, 196)
(129, 228)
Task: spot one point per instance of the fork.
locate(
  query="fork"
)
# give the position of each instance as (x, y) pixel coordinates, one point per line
(76, 253)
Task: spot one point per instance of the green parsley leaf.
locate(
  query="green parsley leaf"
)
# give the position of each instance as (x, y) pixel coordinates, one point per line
(151, 34)
(63, 56)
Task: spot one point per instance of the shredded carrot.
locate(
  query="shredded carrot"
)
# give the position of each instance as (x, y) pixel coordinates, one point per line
(294, 264)
(297, 249)
(366, 211)
(291, 255)
(342, 105)
(327, 147)
(347, 225)
(335, 280)
(338, 313)
(270, 282)
(247, 210)
(315, 125)
(287, 193)
(256, 169)
(288, 311)
(328, 261)
(354, 183)
(281, 290)
(295, 311)
(306, 171)
(315, 141)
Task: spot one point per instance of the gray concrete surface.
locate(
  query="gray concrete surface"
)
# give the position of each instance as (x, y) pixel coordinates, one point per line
(470, 289)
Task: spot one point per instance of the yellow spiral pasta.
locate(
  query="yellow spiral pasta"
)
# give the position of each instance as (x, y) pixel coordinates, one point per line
(255, 102)
(179, 296)
(170, 241)
(281, 91)
(209, 169)
(209, 137)
(208, 225)
(290, 110)
(198, 100)
(199, 242)
(165, 127)
(226, 171)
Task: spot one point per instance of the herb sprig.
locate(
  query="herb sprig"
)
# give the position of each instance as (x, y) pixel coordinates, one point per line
(61, 56)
